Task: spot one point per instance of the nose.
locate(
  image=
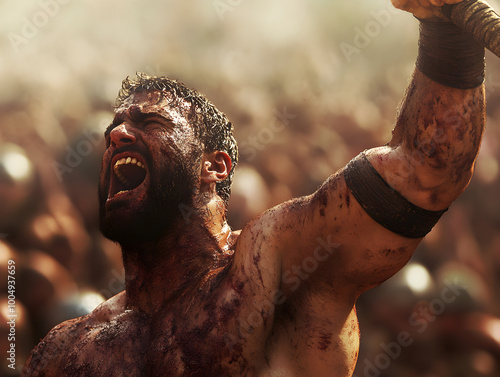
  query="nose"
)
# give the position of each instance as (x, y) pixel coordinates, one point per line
(121, 135)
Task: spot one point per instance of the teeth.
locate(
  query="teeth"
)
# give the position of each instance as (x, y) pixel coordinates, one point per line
(120, 176)
(129, 160)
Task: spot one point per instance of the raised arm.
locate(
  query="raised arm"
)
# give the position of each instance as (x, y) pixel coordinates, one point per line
(440, 124)
(365, 221)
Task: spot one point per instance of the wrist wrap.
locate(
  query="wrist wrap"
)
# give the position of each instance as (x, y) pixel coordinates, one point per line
(450, 56)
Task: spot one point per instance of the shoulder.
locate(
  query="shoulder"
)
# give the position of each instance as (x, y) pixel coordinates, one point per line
(261, 244)
(108, 310)
(47, 357)
(297, 223)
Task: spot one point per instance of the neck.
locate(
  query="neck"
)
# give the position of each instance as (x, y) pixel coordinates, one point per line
(192, 250)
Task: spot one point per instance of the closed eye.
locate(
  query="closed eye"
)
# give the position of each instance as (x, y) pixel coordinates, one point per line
(157, 121)
(144, 120)
(151, 123)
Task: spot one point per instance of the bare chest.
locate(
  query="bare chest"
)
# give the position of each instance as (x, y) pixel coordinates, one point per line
(207, 341)
(200, 336)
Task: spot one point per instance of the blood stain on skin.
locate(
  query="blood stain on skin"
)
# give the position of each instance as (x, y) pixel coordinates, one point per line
(227, 311)
(238, 287)
(256, 260)
(324, 341)
(434, 197)
(322, 196)
(386, 252)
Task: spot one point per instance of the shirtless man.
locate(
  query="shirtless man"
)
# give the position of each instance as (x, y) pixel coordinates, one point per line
(277, 298)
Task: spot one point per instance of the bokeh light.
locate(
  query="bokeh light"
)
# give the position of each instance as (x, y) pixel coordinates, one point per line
(339, 68)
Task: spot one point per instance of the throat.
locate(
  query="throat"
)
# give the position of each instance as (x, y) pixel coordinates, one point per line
(189, 256)
(157, 274)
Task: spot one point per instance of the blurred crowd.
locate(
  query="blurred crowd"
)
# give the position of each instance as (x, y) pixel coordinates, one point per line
(301, 108)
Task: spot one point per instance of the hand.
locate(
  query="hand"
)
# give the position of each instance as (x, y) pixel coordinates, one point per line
(424, 8)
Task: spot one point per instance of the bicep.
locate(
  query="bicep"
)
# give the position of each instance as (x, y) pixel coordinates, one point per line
(370, 253)
(328, 237)
(428, 163)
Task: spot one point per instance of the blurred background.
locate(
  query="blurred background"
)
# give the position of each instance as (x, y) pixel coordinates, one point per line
(308, 85)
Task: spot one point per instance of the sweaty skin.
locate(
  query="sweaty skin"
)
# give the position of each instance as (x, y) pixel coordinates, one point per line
(277, 298)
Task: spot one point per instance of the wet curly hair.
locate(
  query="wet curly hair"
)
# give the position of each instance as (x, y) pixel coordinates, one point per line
(211, 125)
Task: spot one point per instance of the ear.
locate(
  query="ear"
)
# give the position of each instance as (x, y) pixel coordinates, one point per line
(216, 167)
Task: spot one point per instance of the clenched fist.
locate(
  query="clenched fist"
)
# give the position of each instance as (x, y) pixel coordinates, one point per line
(423, 8)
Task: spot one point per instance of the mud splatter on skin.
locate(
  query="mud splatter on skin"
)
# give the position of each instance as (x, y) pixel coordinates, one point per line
(188, 336)
(347, 198)
(256, 262)
(321, 196)
(172, 343)
(325, 340)
(47, 357)
(397, 252)
(440, 129)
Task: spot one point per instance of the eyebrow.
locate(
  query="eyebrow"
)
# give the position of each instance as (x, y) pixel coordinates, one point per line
(136, 116)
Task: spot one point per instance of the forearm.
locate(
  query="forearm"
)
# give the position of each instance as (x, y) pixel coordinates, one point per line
(437, 135)
(439, 130)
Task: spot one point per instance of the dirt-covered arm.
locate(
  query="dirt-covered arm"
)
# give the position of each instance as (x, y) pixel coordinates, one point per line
(427, 164)
(440, 123)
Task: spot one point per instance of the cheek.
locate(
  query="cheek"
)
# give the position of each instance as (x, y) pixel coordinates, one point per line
(165, 153)
(169, 148)
(176, 144)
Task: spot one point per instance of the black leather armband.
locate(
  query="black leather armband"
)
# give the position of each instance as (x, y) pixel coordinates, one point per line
(384, 204)
(450, 56)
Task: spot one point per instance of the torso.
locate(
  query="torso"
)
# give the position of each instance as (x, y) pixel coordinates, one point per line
(238, 324)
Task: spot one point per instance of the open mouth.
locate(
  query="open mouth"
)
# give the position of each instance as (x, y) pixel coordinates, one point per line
(128, 174)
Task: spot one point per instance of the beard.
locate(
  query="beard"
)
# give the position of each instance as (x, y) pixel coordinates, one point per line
(169, 189)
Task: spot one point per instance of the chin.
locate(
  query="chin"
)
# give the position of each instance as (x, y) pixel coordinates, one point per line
(143, 219)
(137, 223)
(138, 202)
